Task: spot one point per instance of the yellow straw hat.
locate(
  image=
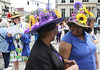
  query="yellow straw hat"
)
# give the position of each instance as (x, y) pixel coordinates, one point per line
(80, 16)
(14, 14)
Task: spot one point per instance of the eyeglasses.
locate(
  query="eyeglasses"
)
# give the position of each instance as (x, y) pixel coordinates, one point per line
(75, 26)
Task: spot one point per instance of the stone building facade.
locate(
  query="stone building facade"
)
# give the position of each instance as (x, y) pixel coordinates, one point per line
(66, 7)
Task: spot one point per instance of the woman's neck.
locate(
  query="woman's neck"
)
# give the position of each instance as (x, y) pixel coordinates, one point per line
(81, 37)
(46, 41)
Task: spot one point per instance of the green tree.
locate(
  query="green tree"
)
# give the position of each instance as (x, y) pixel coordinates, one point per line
(27, 18)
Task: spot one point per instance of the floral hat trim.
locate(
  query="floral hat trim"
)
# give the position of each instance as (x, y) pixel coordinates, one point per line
(80, 15)
(14, 14)
(37, 20)
(43, 15)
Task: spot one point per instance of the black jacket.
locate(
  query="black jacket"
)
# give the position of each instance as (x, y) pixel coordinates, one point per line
(43, 58)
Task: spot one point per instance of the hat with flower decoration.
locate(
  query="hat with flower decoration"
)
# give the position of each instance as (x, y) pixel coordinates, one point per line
(13, 14)
(80, 15)
(43, 18)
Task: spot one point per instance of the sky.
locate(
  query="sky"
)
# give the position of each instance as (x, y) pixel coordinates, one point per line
(32, 5)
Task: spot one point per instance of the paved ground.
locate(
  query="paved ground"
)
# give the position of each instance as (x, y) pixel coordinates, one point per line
(56, 45)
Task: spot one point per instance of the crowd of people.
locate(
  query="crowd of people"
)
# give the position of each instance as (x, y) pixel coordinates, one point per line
(77, 46)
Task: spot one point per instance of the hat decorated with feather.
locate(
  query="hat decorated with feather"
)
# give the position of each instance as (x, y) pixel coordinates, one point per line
(42, 19)
(80, 15)
(14, 14)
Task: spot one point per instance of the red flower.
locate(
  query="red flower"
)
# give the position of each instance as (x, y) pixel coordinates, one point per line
(9, 15)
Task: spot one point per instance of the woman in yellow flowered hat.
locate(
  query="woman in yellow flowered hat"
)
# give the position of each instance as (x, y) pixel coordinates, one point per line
(77, 44)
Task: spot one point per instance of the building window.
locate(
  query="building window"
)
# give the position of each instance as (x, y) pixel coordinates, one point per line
(63, 12)
(62, 1)
(71, 11)
(56, 1)
(98, 1)
(71, 1)
(85, 0)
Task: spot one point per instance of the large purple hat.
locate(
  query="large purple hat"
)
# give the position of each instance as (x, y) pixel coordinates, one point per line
(44, 18)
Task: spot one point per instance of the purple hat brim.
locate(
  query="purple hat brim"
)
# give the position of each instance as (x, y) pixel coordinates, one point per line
(56, 21)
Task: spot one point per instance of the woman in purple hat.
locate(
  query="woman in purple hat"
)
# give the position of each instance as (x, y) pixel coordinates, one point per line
(43, 55)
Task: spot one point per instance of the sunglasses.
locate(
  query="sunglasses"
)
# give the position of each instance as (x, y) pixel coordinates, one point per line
(75, 26)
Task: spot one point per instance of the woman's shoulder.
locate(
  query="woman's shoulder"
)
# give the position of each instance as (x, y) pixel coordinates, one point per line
(68, 35)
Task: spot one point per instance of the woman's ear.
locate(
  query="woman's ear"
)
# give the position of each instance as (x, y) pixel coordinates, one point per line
(49, 33)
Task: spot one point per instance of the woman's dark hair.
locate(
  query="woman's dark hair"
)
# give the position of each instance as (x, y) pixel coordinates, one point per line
(45, 29)
(89, 30)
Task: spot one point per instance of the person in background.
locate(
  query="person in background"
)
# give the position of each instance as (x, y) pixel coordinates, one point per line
(4, 45)
(31, 22)
(91, 24)
(65, 26)
(96, 25)
(19, 42)
(93, 37)
(43, 55)
(0, 22)
(77, 44)
(9, 21)
(58, 36)
(36, 36)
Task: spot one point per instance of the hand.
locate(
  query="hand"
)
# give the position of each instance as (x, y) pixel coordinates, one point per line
(20, 35)
(73, 67)
(95, 41)
(9, 35)
(69, 62)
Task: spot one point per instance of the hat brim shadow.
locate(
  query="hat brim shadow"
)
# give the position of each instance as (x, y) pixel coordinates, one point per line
(87, 28)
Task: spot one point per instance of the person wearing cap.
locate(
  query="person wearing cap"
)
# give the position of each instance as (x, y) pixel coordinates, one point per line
(19, 42)
(4, 45)
(43, 55)
(77, 44)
